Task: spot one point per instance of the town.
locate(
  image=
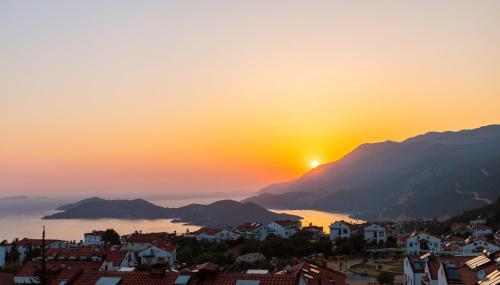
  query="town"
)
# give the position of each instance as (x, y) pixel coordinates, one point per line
(280, 252)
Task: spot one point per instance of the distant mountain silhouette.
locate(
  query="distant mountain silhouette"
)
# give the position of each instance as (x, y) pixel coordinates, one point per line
(430, 175)
(220, 213)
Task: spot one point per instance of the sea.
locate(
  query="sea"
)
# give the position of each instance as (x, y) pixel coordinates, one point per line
(21, 217)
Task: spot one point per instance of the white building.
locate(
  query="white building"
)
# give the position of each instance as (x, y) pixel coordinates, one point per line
(157, 253)
(474, 246)
(93, 238)
(431, 273)
(448, 275)
(340, 229)
(480, 230)
(252, 231)
(212, 234)
(25, 245)
(284, 229)
(375, 233)
(418, 242)
(118, 259)
(3, 254)
(414, 270)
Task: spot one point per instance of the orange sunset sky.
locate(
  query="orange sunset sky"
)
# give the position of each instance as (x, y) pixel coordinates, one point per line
(132, 97)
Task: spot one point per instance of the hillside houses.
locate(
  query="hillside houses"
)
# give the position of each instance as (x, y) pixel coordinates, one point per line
(27, 245)
(252, 231)
(284, 229)
(139, 241)
(93, 238)
(158, 252)
(375, 233)
(116, 260)
(418, 242)
(340, 229)
(477, 246)
(212, 234)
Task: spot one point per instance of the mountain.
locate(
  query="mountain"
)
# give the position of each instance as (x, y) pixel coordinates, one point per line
(220, 213)
(430, 175)
(97, 208)
(490, 212)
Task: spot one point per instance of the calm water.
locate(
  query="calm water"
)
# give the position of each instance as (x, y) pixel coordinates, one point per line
(319, 218)
(30, 225)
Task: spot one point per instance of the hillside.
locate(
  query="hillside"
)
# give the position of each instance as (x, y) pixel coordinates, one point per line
(430, 175)
(220, 213)
(490, 212)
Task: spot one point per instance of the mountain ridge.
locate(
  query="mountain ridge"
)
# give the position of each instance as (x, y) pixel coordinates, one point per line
(220, 213)
(398, 179)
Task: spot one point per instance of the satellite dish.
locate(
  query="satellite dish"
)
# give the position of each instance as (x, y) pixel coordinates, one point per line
(481, 274)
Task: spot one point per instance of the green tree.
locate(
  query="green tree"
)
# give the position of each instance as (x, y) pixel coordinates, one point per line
(391, 242)
(385, 278)
(111, 236)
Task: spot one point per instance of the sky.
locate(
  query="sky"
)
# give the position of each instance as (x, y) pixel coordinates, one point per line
(135, 97)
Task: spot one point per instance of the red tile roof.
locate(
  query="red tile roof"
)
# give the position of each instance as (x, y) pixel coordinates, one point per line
(86, 251)
(207, 231)
(127, 278)
(248, 227)
(116, 257)
(165, 245)
(316, 274)
(6, 278)
(65, 268)
(469, 277)
(36, 242)
(265, 279)
(433, 269)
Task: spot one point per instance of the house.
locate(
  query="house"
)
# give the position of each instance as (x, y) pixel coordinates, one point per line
(414, 270)
(159, 252)
(340, 229)
(85, 253)
(459, 228)
(212, 234)
(311, 273)
(284, 229)
(451, 239)
(252, 231)
(477, 246)
(418, 242)
(188, 278)
(431, 271)
(317, 231)
(208, 273)
(448, 275)
(477, 269)
(375, 233)
(139, 241)
(478, 221)
(6, 278)
(60, 271)
(480, 230)
(118, 259)
(497, 237)
(93, 238)
(25, 246)
(3, 254)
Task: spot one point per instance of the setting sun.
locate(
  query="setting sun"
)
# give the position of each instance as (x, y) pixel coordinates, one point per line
(314, 164)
